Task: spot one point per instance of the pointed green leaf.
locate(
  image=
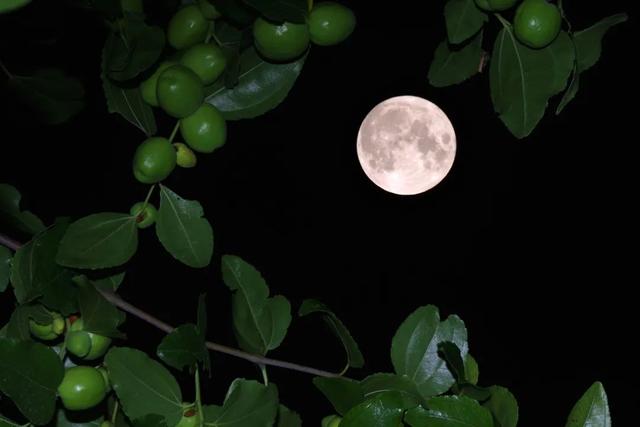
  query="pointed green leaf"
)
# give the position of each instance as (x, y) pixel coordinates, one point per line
(183, 230)
(343, 393)
(99, 241)
(384, 410)
(73, 419)
(592, 410)
(288, 418)
(503, 406)
(261, 87)
(260, 323)
(281, 10)
(99, 316)
(183, 347)
(30, 374)
(11, 5)
(376, 384)
(463, 19)
(143, 386)
(248, 403)
(5, 267)
(12, 216)
(455, 64)
(354, 356)
(450, 411)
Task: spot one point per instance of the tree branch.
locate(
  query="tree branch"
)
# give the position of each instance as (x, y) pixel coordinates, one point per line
(116, 300)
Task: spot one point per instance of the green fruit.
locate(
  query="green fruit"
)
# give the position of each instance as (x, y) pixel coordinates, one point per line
(207, 60)
(537, 23)
(149, 87)
(280, 42)
(179, 91)
(190, 418)
(86, 345)
(331, 421)
(186, 158)
(187, 27)
(154, 160)
(208, 10)
(484, 5)
(330, 23)
(82, 388)
(144, 219)
(78, 343)
(49, 331)
(205, 130)
(500, 5)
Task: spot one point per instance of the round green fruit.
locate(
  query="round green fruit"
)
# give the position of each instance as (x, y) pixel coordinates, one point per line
(149, 87)
(179, 91)
(280, 42)
(187, 27)
(537, 23)
(154, 160)
(185, 157)
(330, 23)
(86, 345)
(208, 10)
(48, 331)
(205, 130)
(82, 388)
(190, 418)
(144, 218)
(207, 60)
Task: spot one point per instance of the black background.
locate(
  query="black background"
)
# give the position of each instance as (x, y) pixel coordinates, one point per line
(532, 242)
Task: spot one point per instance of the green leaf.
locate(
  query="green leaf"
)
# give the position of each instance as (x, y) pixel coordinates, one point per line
(463, 19)
(503, 406)
(201, 324)
(110, 283)
(99, 316)
(183, 347)
(384, 410)
(18, 326)
(281, 10)
(236, 12)
(471, 369)
(50, 93)
(99, 241)
(143, 386)
(288, 418)
(376, 384)
(11, 5)
(149, 421)
(451, 354)
(523, 79)
(30, 374)
(12, 216)
(354, 356)
(75, 419)
(450, 411)
(260, 323)
(183, 230)
(248, 403)
(5, 267)
(414, 349)
(343, 393)
(592, 410)
(261, 87)
(455, 64)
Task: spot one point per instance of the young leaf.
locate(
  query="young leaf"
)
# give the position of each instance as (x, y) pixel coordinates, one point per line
(281, 10)
(99, 315)
(471, 369)
(183, 347)
(523, 79)
(260, 323)
(30, 374)
(12, 216)
(343, 393)
(463, 19)
(53, 95)
(376, 384)
(450, 411)
(10, 5)
(455, 64)
(99, 241)
(592, 410)
(354, 356)
(384, 410)
(183, 230)
(143, 386)
(247, 403)
(414, 349)
(261, 87)
(288, 418)
(5, 267)
(503, 406)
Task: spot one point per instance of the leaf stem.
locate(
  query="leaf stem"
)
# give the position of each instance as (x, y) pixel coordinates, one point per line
(6, 71)
(114, 414)
(198, 395)
(146, 200)
(174, 131)
(265, 377)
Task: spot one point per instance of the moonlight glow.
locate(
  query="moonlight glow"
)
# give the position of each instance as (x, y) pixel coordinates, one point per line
(406, 145)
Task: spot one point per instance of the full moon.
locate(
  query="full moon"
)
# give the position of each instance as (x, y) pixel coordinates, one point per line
(406, 145)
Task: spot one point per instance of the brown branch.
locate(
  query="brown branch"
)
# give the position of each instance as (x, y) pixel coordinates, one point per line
(116, 300)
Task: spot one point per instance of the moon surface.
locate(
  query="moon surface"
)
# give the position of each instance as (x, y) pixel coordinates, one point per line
(406, 145)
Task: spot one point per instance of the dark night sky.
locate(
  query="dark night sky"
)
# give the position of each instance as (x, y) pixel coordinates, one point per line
(527, 240)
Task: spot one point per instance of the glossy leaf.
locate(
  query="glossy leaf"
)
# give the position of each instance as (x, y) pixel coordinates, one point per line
(183, 230)
(281, 10)
(376, 384)
(5, 267)
(259, 322)
(12, 216)
(99, 315)
(592, 410)
(463, 19)
(354, 356)
(248, 403)
(288, 418)
(11, 5)
(183, 347)
(503, 406)
(143, 386)
(343, 393)
(99, 241)
(384, 410)
(450, 411)
(455, 64)
(523, 79)
(261, 87)
(50, 93)
(73, 419)
(30, 374)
